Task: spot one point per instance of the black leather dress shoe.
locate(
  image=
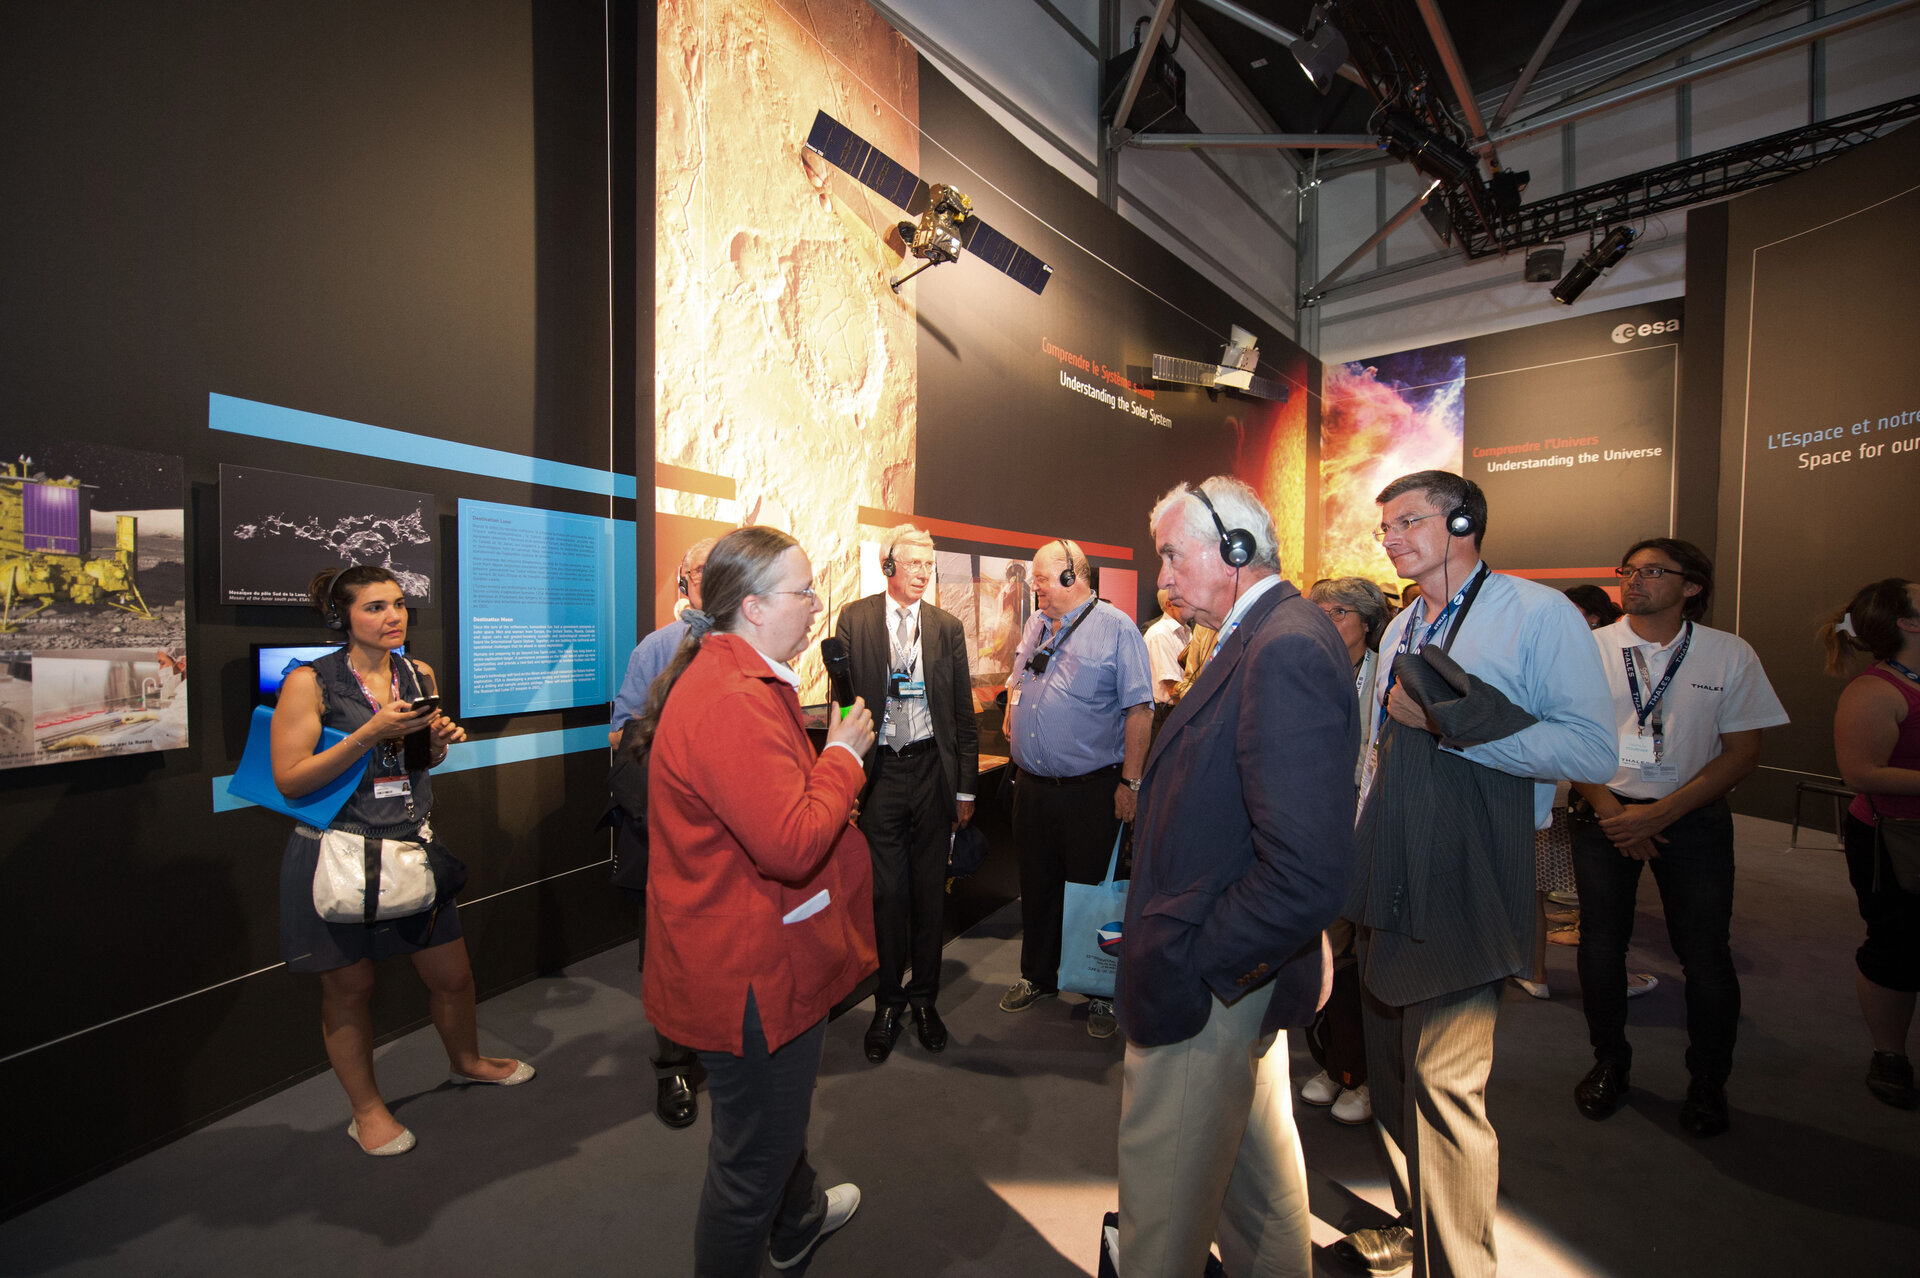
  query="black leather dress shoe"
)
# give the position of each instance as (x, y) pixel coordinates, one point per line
(676, 1105)
(1600, 1092)
(930, 1028)
(1378, 1251)
(883, 1033)
(1705, 1112)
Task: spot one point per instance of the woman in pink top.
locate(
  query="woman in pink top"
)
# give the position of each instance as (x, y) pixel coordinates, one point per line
(1876, 741)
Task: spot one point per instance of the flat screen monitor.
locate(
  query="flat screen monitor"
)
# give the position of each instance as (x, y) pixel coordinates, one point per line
(271, 662)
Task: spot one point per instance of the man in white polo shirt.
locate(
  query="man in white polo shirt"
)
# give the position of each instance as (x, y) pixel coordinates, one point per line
(1689, 704)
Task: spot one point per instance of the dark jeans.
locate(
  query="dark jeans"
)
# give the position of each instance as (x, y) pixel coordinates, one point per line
(907, 831)
(1062, 833)
(1694, 873)
(758, 1176)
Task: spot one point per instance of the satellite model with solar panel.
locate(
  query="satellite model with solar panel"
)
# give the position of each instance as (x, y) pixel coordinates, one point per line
(948, 225)
(1234, 372)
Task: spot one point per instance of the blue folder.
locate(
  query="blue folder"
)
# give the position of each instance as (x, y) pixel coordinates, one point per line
(253, 780)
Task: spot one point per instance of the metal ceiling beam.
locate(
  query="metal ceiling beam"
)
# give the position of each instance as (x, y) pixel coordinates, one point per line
(1538, 60)
(1253, 141)
(1141, 61)
(1766, 46)
(1457, 75)
(1276, 33)
(1373, 241)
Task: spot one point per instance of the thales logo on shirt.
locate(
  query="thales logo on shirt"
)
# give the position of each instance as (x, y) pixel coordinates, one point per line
(1709, 687)
(1109, 935)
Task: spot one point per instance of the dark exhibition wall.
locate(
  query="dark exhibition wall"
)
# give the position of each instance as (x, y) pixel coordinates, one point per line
(396, 216)
(1820, 426)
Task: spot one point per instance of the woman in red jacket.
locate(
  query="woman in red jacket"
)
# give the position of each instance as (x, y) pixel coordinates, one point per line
(759, 895)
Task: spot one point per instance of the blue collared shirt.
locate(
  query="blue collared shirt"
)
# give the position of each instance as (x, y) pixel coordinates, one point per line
(1530, 642)
(650, 656)
(1072, 719)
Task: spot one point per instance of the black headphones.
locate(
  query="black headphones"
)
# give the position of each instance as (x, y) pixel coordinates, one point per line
(1237, 545)
(1067, 576)
(334, 620)
(1461, 521)
(887, 564)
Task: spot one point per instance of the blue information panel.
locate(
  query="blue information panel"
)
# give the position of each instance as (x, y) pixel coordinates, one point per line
(541, 622)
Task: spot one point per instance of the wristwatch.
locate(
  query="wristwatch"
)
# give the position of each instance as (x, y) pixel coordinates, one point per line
(1133, 784)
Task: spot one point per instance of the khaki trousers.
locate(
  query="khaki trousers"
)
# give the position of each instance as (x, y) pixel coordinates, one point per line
(1208, 1151)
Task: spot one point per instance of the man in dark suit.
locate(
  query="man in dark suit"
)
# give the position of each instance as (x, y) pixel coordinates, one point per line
(1242, 850)
(911, 658)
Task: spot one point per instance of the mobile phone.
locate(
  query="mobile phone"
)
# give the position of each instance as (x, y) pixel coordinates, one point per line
(426, 703)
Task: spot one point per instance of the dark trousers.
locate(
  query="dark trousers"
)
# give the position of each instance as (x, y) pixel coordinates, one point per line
(1430, 1062)
(1694, 873)
(1062, 834)
(908, 831)
(758, 1176)
(1890, 956)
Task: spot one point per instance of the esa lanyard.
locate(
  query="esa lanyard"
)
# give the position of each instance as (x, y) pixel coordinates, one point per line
(1457, 609)
(1908, 675)
(1631, 656)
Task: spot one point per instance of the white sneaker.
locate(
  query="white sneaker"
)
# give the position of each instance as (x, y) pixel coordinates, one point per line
(1320, 1089)
(842, 1202)
(1354, 1106)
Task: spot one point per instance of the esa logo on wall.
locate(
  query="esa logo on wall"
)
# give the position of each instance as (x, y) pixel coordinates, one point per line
(1627, 332)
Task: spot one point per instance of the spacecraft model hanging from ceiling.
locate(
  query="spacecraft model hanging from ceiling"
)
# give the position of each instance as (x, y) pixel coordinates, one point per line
(947, 224)
(1234, 372)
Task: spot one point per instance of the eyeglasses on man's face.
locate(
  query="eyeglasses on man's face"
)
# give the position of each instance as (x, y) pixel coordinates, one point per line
(1400, 525)
(809, 594)
(1652, 572)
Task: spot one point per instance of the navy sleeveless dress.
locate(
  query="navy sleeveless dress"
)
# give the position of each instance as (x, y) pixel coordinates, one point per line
(308, 942)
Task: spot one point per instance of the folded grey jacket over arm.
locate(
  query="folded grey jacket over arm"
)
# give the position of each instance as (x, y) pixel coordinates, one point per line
(1443, 853)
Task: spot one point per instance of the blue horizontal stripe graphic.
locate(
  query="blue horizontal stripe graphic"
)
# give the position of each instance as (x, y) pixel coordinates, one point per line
(269, 421)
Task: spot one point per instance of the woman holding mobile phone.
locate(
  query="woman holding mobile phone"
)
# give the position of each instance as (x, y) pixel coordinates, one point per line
(388, 707)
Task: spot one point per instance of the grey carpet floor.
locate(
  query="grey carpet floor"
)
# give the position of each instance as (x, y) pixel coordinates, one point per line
(997, 1158)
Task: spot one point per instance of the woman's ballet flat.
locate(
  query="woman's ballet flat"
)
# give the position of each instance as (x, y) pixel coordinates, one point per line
(398, 1145)
(521, 1073)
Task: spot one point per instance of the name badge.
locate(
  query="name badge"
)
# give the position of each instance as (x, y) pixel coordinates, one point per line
(1660, 773)
(392, 787)
(1013, 696)
(1636, 750)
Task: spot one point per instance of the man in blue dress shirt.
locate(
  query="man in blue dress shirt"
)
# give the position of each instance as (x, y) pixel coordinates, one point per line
(654, 653)
(675, 1102)
(1443, 875)
(1079, 715)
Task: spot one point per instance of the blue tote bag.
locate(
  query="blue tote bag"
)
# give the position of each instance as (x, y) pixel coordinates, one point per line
(253, 779)
(1090, 917)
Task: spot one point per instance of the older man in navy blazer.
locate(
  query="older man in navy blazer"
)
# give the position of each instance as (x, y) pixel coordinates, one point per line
(1241, 857)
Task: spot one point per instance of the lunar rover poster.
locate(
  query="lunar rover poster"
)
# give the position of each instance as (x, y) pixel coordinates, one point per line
(278, 530)
(93, 578)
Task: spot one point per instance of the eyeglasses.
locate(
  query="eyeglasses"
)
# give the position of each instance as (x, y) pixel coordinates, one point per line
(809, 594)
(1652, 572)
(695, 574)
(1335, 610)
(1401, 525)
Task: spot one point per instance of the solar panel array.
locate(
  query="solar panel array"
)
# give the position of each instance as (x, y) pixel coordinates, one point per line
(875, 169)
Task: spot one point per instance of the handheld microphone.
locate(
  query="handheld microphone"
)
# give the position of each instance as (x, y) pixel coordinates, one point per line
(838, 658)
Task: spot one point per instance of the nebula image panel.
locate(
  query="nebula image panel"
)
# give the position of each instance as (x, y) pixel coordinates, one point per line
(782, 359)
(1381, 419)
